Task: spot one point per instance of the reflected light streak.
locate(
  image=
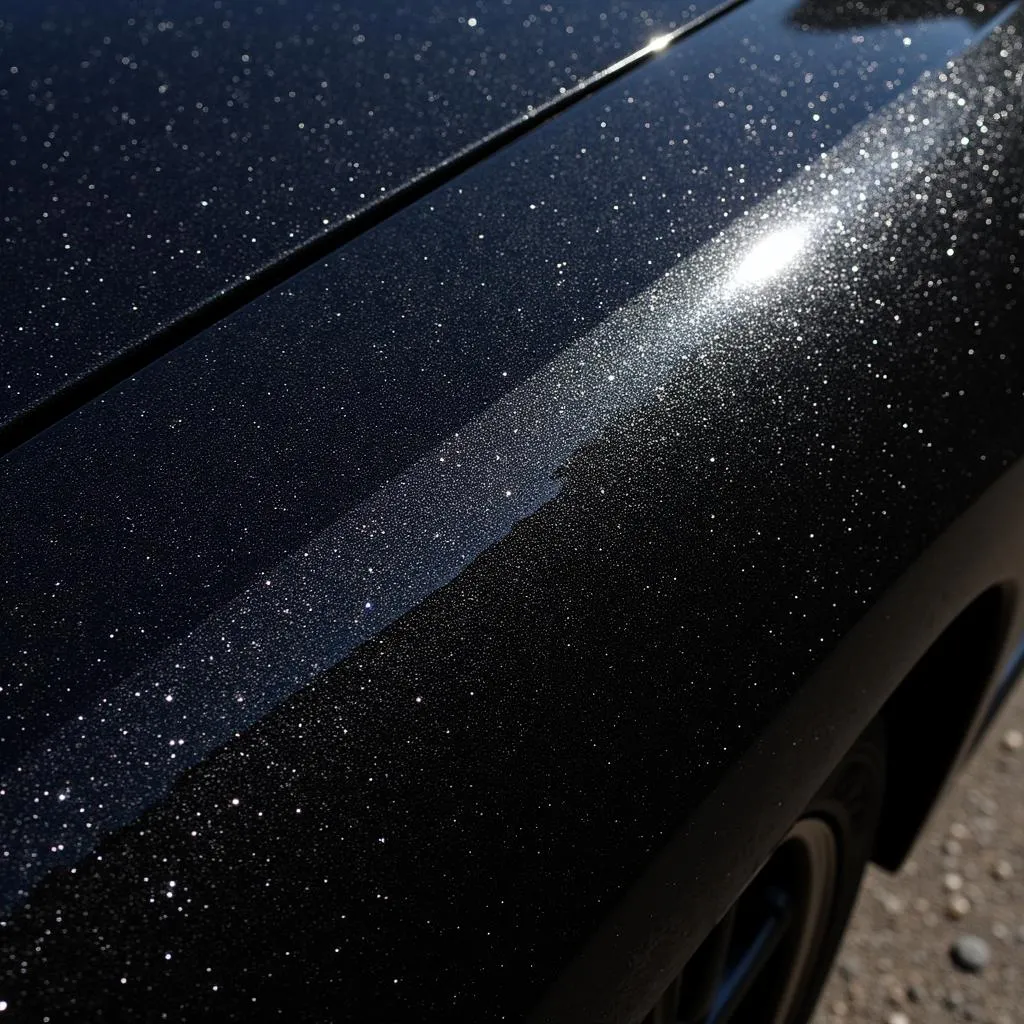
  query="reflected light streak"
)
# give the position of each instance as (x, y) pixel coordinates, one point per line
(769, 257)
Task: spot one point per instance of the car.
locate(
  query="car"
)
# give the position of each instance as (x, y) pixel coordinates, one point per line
(507, 507)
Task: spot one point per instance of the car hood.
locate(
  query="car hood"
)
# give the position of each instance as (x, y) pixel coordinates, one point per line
(159, 155)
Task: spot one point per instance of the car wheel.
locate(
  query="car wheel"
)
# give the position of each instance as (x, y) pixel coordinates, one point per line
(766, 961)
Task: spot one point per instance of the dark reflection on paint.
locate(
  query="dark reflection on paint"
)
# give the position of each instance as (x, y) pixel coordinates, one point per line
(852, 14)
(153, 156)
(286, 418)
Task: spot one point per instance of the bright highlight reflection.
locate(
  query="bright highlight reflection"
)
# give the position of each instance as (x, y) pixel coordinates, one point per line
(659, 42)
(769, 257)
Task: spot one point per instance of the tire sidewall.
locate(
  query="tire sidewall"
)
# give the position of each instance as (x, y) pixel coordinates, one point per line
(851, 802)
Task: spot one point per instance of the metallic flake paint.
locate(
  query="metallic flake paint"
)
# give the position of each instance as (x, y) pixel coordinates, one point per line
(723, 304)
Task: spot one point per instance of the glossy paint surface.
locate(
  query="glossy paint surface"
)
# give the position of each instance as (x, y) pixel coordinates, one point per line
(554, 500)
(154, 155)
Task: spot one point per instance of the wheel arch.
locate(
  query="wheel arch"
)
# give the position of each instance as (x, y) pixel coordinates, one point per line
(938, 713)
(956, 606)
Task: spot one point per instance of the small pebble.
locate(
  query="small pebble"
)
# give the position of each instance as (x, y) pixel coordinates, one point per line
(953, 882)
(898, 1018)
(1002, 869)
(952, 848)
(970, 953)
(849, 966)
(959, 831)
(1013, 739)
(895, 993)
(984, 803)
(1000, 931)
(892, 903)
(958, 907)
(953, 1001)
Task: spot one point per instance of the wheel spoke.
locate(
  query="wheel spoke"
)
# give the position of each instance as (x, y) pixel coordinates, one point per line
(751, 959)
(705, 974)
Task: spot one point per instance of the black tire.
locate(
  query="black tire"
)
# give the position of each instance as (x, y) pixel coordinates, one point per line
(851, 802)
(802, 897)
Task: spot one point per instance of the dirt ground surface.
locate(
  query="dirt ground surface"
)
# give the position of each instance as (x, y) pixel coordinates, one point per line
(964, 882)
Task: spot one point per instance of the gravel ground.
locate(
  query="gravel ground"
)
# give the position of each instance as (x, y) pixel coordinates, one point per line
(912, 953)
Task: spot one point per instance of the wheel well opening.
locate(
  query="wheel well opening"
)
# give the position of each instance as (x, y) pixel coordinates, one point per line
(928, 717)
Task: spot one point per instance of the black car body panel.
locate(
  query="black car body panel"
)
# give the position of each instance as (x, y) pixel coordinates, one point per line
(156, 156)
(361, 652)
